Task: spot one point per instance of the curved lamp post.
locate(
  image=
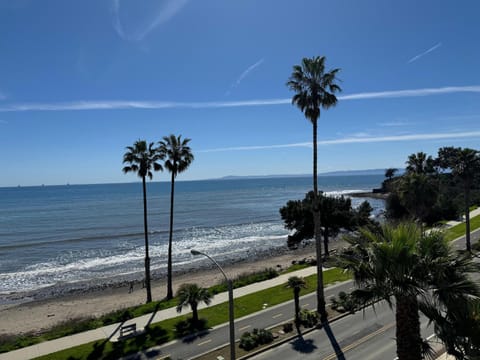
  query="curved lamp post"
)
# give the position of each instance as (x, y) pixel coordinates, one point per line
(230, 302)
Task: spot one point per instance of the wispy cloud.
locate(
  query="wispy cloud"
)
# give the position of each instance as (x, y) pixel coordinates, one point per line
(356, 140)
(169, 9)
(121, 105)
(2, 96)
(244, 74)
(416, 57)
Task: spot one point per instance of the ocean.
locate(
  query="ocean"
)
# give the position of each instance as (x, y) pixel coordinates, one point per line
(93, 234)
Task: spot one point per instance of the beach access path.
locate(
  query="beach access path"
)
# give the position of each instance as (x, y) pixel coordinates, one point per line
(112, 331)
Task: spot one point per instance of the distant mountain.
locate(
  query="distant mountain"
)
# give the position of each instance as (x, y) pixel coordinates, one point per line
(330, 173)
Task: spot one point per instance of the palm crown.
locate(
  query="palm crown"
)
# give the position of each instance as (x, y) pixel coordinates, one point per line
(314, 87)
(177, 153)
(142, 159)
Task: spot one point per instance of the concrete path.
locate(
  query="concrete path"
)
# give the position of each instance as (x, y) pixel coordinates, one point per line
(106, 332)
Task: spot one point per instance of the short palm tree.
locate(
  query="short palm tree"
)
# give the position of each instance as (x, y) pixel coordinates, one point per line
(192, 295)
(297, 284)
(142, 159)
(178, 157)
(315, 88)
(412, 272)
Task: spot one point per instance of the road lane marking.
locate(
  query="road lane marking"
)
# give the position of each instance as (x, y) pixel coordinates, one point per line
(361, 341)
(243, 328)
(276, 316)
(204, 342)
(306, 305)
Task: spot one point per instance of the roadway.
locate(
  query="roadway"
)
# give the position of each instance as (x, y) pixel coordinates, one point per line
(368, 334)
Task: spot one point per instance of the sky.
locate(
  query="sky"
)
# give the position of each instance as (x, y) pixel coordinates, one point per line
(81, 80)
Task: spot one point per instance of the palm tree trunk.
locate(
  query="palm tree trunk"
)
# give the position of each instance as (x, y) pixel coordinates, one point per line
(409, 340)
(296, 293)
(194, 314)
(318, 239)
(325, 241)
(145, 228)
(170, 238)
(467, 216)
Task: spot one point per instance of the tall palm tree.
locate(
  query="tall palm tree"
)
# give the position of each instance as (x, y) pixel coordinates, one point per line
(178, 157)
(142, 159)
(297, 284)
(315, 88)
(191, 295)
(465, 165)
(412, 272)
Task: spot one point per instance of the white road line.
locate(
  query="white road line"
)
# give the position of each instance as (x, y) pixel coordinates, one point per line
(244, 327)
(204, 342)
(276, 316)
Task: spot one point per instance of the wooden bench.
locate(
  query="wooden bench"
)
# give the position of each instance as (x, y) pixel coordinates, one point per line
(128, 330)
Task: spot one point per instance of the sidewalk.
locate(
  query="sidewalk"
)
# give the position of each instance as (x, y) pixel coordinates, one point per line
(105, 332)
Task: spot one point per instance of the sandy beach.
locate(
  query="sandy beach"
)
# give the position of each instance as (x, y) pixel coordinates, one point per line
(38, 315)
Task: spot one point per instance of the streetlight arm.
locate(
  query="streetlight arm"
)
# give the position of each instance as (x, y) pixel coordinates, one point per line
(196, 252)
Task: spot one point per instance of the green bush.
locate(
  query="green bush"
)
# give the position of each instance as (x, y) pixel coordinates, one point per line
(249, 341)
(288, 327)
(308, 318)
(188, 327)
(345, 303)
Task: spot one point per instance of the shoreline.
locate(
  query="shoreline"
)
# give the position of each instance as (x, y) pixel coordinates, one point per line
(35, 315)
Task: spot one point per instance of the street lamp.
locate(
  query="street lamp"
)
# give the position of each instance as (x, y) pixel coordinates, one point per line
(230, 302)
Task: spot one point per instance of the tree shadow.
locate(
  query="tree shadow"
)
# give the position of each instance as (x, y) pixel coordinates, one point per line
(304, 346)
(333, 341)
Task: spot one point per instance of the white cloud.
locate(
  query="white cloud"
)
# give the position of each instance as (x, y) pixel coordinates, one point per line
(169, 9)
(244, 74)
(2, 96)
(416, 57)
(120, 105)
(357, 140)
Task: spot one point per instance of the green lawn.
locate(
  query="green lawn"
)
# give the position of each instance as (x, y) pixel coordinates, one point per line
(459, 230)
(164, 331)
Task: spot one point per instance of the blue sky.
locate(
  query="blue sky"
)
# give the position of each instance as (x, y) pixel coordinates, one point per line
(80, 80)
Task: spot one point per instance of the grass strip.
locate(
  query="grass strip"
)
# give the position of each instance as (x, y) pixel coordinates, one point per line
(459, 230)
(163, 331)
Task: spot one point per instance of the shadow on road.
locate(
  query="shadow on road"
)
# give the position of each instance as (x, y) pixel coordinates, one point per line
(303, 346)
(191, 338)
(333, 341)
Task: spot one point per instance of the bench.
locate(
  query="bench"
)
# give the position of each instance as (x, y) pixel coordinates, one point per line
(128, 330)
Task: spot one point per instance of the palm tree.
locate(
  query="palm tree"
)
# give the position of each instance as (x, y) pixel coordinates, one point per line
(142, 158)
(178, 157)
(315, 88)
(191, 295)
(420, 163)
(296, 283)
(390, 173)
(412, 272)
(465, 165)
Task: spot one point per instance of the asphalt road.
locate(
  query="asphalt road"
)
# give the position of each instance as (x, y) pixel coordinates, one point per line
(269, 317)
(363, 335)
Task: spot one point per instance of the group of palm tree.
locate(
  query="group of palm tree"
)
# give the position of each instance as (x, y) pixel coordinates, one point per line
(410, 269)
(143, 159)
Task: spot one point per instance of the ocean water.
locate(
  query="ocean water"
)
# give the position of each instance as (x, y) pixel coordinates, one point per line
(54, 235)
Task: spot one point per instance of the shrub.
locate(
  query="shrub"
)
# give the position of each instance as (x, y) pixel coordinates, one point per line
(249, 341)
(288, 327)
(345, 303)
(187, 327)
(308, 318)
